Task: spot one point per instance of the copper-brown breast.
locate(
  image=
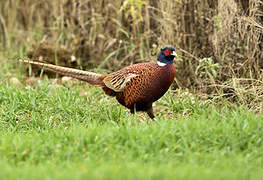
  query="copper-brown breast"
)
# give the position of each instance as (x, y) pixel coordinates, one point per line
(151, 82)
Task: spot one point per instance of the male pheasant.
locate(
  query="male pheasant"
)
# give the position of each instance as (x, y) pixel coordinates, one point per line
(136, 87)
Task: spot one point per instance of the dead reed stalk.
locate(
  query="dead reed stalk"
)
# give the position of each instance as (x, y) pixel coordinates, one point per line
(224, 36)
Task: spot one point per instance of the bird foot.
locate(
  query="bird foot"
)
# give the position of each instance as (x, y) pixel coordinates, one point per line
(155, 120)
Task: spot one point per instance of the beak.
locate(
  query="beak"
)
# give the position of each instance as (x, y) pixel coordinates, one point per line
(174, 54)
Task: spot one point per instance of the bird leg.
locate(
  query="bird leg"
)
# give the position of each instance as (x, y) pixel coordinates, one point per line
(132, 111)
(150, 113)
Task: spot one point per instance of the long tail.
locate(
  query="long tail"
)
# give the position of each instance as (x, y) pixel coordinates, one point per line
(90, 77)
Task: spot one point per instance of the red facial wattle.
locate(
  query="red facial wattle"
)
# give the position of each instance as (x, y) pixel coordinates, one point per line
(167, 52)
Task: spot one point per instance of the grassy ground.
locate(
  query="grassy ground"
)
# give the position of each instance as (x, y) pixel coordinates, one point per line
(76, 132)
(50, 132)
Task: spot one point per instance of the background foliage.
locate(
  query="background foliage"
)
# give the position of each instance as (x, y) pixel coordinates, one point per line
(219, 42)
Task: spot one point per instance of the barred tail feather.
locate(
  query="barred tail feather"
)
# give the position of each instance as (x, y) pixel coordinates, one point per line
(90, 77)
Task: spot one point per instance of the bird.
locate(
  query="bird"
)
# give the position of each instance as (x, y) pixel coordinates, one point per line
(135, 87)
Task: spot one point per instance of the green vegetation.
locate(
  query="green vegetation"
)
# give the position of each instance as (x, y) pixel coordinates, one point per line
(51, 130)
(53, 133)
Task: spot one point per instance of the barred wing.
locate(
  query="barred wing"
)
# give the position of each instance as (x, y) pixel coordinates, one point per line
(117, 81)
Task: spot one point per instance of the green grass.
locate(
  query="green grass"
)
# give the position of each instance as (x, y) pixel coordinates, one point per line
(53, 133)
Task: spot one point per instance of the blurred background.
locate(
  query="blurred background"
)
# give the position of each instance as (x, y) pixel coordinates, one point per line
(219, 42)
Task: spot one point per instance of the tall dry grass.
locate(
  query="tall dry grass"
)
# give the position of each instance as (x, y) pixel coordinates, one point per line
(218, 41)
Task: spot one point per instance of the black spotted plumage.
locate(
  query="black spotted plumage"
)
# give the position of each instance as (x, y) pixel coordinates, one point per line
(136, 87)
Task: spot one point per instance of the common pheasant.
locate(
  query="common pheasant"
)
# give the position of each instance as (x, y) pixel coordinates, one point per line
(136, 87)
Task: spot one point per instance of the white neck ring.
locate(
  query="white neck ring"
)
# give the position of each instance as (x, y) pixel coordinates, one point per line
(161, 64)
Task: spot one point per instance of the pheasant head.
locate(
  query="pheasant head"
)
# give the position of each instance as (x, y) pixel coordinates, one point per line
(166, 56)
